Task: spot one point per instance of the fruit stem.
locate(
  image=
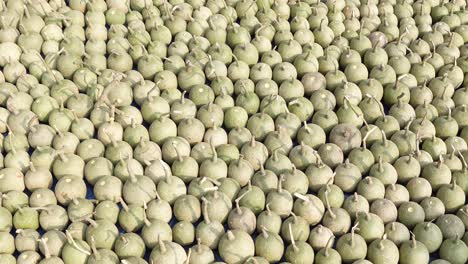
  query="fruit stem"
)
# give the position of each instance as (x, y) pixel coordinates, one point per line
(440, 162)
(213, 149)
(465, 165)
(280, 183)
(142, 143)
(267, 206)
(454, 184)
(182, 97)
(361, 28)
(31, 167)
(355, 197)
(303, 148)
(275, 155)
(413, 240)
(88, 219)
(304, 198)
(254, 261)
(239, 210)
(167, 176)
(381, 245)
(214, 189)
(179, 156)
(348, 102)
(124, 205)
(241, 157)
(332, 215)
(319, 161)
(380, 106)
(367, 216)
(364, 140)
(132, 176)
(410, 156)
(32, 125)
(407, 128)
(262, 168)
(307, 128)
(319, 229)
(162, 246)
(380, 166)
(75, 201)
(294, 217)
(264, 231)
(199, 246)
(111, 139)
(329, 245)
(464, 210)
(384, 138)
(145, 216)
(206, 217)
(189, 254)
(291, 235)
(74, 244)
(215, 182)
(230, 235)
(43, 240)
(93, 247)
(61, 155)
(353, 229)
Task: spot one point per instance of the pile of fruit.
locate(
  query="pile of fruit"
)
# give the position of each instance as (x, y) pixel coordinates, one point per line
(233, 131)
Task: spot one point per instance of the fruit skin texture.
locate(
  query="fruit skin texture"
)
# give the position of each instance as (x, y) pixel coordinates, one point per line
(270, 246)
(383, 251)
(352, 247)
(304, 253)
(413, 252)
(236, 246)
(454, 250)
(429, 234)
(301, 131)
